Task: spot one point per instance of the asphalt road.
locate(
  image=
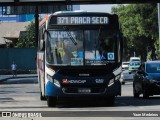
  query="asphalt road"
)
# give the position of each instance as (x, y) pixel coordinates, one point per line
(19, 95)
(29, 80)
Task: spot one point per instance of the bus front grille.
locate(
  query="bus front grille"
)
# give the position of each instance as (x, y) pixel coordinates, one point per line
(76, 90)
(82, 73)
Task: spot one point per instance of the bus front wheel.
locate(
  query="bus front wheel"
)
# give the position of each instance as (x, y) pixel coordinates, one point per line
(51, 101)
(110, 100)
(42, 97)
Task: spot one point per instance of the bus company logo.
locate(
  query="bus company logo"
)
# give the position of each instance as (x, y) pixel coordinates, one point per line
(65, 81)
(6, 114)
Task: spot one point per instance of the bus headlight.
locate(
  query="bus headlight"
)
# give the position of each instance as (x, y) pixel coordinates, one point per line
(111, 82)
(49, 78)
(56, 82)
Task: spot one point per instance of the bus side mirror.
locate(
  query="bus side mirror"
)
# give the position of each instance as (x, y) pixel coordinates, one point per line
(42, 45)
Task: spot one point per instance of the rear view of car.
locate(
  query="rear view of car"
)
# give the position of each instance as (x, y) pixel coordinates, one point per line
(133, 66)
(125, 65)
(147, 80)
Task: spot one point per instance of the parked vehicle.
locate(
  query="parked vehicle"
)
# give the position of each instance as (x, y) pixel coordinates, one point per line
(132, 59)
(125, 65)
(133, 66)
(147, 80)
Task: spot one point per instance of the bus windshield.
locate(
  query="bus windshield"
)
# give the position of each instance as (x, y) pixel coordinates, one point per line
(93, 47)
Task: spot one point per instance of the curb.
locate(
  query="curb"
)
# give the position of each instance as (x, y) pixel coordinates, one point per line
(4, 79)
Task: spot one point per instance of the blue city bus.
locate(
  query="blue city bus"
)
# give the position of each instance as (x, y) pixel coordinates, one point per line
(79, 56)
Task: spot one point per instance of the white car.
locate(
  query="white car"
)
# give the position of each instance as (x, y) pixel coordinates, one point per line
(125, 65)
(133, 66)
(132, 59)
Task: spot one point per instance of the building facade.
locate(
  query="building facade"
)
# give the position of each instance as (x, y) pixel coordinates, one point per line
(14, 18)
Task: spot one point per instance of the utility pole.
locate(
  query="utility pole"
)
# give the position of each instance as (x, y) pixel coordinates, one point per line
(36, 25)
(159, 23)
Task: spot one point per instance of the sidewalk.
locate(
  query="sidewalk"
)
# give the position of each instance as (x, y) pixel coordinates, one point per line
(6, 77)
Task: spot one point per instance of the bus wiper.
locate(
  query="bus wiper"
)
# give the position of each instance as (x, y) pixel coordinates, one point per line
(99, 32)
(69, 34)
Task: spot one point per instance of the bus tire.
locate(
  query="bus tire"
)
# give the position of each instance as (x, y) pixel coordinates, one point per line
(145, 95)
(51, 101)
(110, 100)
(135, 94)
(123, 83)
(42, 97)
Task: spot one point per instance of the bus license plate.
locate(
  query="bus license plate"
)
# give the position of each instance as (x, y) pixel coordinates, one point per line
(84, 90)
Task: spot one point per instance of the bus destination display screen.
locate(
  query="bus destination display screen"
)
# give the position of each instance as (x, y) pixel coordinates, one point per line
(76, 20)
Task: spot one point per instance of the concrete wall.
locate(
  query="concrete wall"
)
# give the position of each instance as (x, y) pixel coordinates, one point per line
(23, 57)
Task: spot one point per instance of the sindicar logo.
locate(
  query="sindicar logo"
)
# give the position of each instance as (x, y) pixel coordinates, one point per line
(66, 81)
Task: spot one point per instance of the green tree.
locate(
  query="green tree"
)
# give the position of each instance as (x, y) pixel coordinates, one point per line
(27, 40)
(139, 23)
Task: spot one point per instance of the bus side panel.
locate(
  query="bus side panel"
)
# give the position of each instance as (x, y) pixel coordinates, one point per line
(41, 71)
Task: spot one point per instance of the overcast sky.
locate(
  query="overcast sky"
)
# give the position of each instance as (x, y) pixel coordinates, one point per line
(97, 8)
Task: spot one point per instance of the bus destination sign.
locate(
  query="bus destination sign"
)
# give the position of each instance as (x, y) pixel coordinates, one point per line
(82, 20)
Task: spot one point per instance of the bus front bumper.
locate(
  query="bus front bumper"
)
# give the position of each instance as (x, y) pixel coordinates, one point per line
(111, 90)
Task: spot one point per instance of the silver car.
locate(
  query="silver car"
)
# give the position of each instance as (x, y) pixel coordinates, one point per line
(126, 76)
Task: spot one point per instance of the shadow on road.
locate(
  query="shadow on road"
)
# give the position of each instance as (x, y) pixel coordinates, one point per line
(83, 103)
(33, 80)
(131, 101)
(120, 101)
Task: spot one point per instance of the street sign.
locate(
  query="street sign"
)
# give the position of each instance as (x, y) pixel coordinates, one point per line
(111, 56)
(42, 9)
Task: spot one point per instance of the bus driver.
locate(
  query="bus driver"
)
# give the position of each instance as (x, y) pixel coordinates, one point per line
(103, 49)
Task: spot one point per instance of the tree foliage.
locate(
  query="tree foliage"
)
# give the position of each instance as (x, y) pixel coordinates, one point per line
(139, 23)
(27, 40)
